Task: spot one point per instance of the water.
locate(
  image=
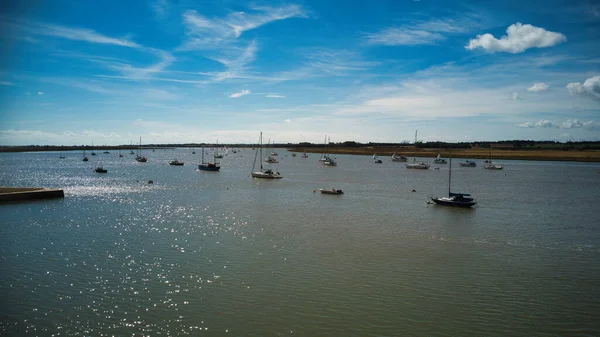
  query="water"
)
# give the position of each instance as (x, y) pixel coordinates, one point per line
(224, 254)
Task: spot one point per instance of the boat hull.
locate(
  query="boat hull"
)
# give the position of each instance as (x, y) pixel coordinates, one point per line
(331, 191)
(263, 175)
(206, 167)
(453, 203)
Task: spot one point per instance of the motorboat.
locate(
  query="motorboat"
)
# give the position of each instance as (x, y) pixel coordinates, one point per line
(100, 169)
(468, 163)
(175, 162)
(271, 160)
(331, 191)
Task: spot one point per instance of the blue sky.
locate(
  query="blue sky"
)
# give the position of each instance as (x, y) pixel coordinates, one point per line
(77, 72)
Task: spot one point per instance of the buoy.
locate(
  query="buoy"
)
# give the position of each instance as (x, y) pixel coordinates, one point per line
(413, 190)
(150, 182)
(314, 191)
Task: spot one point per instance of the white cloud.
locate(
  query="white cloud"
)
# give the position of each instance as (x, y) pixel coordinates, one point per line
(159, 94)
(575, 123)
(6, 83)
(590, 88)
(526, 125)
(274, 96)
(542, 123)
(40, 93)
(421, 32)
(161, 8)
(75, 34)
(400, 36)
(515, 96)
(519, 38)
(538, 87)
(208, 33)
(142, 73)
(240, 94)
(287, 121)
(568, 124)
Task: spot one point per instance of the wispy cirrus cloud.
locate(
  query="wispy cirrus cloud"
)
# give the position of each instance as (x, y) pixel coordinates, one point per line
(338, 62)
(208, 33)
(240, 94)
(69, 33)
(143, 73)
(519, 37)
(161, 8)
(274, 96)
(422, 32)
(6, 83)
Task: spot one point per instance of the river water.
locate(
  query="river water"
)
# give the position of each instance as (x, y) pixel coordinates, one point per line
(223, 254)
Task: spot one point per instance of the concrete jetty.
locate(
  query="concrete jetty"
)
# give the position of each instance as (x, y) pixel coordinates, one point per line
(10, 194)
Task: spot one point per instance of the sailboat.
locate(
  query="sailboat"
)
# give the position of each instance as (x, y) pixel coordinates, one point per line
(217, 155)
(417, 165)
(439, 160)
(270, 158)
(327, 161)
(139, 158)
(85, 158)
(214, 166)
(100, 169)
(396, 157)
(454, 199)
(489, 165)
(375, 160)
(263, 173)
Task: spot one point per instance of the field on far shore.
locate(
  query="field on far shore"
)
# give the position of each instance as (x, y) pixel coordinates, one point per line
(472, 153)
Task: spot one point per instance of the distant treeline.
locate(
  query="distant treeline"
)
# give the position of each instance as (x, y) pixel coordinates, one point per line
(505, 144)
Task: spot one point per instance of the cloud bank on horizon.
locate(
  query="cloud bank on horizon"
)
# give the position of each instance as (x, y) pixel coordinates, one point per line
(175, 72)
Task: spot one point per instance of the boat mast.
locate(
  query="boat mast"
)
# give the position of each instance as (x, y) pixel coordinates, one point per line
(203, 155)
(449, 175)
(256, 153)
(416, 136)
(260, 147)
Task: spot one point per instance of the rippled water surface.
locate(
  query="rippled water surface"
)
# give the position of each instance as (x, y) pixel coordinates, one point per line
(224, 254)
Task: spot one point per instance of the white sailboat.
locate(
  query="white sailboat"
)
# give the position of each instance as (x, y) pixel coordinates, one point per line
(439, 160)
(397, 157)
(139, 158)
(489, 165)
(217, 154)
(263, 173)
(417, 165)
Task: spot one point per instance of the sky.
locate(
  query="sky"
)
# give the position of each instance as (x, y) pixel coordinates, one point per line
(180, 71)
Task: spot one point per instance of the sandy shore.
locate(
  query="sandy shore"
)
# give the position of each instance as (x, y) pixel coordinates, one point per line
(473, 153)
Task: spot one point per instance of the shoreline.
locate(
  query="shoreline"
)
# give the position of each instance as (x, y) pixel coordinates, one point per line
(588, 156)
(534, 154)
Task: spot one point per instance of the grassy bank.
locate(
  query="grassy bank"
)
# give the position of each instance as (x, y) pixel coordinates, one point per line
(472, 153)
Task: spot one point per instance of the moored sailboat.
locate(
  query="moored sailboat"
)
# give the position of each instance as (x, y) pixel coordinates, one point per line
(263, 173)
(139, 158)
(203, 166)
(454, 199)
